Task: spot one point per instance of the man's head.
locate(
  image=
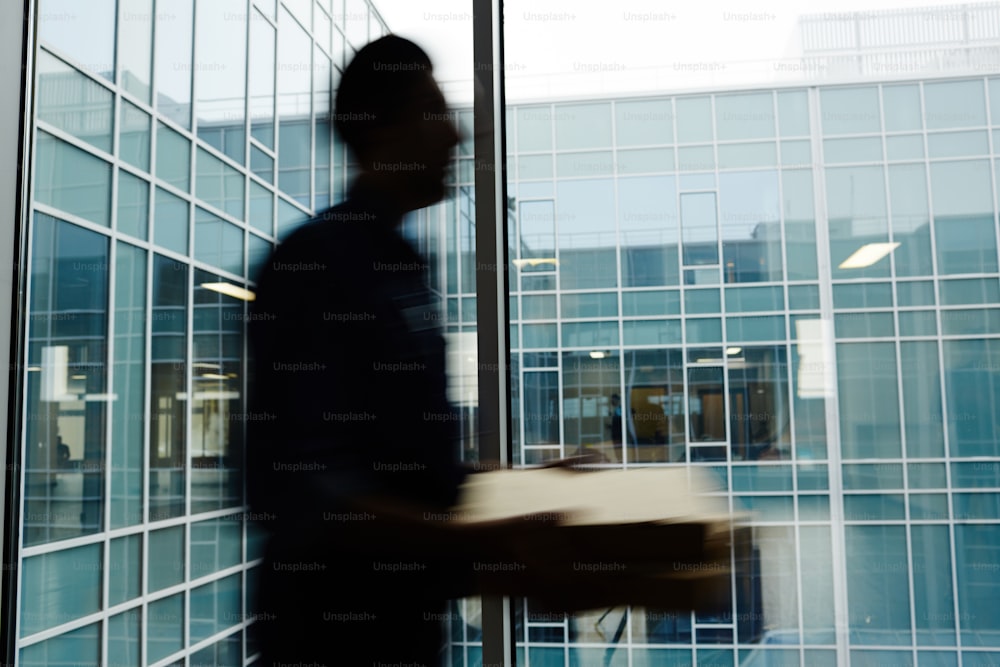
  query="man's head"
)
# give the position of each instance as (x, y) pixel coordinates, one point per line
(392, 115)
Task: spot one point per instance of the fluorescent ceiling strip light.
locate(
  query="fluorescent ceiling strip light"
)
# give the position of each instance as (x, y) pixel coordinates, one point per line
(867, 255)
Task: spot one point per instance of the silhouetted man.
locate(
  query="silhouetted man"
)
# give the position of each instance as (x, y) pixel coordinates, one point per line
(351, 436)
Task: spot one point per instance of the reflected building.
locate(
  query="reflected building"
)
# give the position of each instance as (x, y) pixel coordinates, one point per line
(794, 287)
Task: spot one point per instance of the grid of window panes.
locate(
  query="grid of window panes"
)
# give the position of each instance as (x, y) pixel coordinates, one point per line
(173, 144)
(681, 295)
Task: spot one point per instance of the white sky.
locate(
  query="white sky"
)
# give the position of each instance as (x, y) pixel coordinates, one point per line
(556, 48)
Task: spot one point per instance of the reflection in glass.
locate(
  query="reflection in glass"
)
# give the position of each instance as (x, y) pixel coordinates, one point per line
(648, 224)
(706, 407)
(134, 136)
(220, 84)
(322, 82)
(73, 102)
(964, 224)
(66, 388)
(699, 228)
(129, 386)
(856, 206)
(72, 180)
(216, 431)
(972, 385)
(88, 37)
(654, 410)
(877, 584)
(591, 404)
(173, 61)
(170, 222)
(294, 105)
(261, 82)
(541, 408)
(219, 184)
(750, 220)
(135, 47)
(869, 401)
(911, 222)
(758, 404)
(168, 393)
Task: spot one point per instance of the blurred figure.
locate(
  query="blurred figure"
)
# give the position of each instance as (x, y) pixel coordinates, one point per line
(353, 455)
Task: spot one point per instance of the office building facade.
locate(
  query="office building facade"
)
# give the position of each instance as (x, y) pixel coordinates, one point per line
(170, 145)
(794, 287)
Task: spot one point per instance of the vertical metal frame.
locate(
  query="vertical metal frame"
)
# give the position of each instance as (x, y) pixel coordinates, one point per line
(15, 41)
(492, 283)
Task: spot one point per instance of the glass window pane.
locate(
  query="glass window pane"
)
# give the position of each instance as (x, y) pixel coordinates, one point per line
(976, 557)
(173, 61)
(964, 225)
(972, 385)
(849, 110)
(135, 47)
(644, 122)
(950, 104)
(86, 37)
(534, 128)
(877, 584)
(173, 157)
(800, 226)
(869, 403)
(164, 627)
(294, 127)
(922, 417)
(72, 180)
(134, 137)
(261, 83)
(746, 116)
(80, 647)
(217, 381)
(165, 558)
(956, 144)
(648, 227)
(123, 639)
(133, 205)
(261, 208)
(215, 607)
(706, 406)
(904, 147)
(219, 184)
(911, 226)
(793, 113)
(699, 227)
(215, 545)
(589, 405)
(129, 386)
(583, 126)
(73, 102)
(125, 576)
(170, 222)
(60, 587)
(694, 119)
(901, 106)
(541, 408)
(167, 427)
(221, 87)
(750, 219)
(856, 206)
(67, 342)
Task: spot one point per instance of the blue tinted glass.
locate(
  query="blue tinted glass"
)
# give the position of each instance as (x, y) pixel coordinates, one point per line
(60, 587)
(72, 180)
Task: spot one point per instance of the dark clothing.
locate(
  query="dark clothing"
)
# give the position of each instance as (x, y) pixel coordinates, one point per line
(348, 397)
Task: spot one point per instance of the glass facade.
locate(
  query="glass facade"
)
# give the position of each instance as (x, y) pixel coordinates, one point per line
(795, 288)
(172, 145)
(683, 292)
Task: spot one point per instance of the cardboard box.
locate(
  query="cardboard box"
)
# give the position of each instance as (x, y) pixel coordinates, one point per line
(652, 537)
